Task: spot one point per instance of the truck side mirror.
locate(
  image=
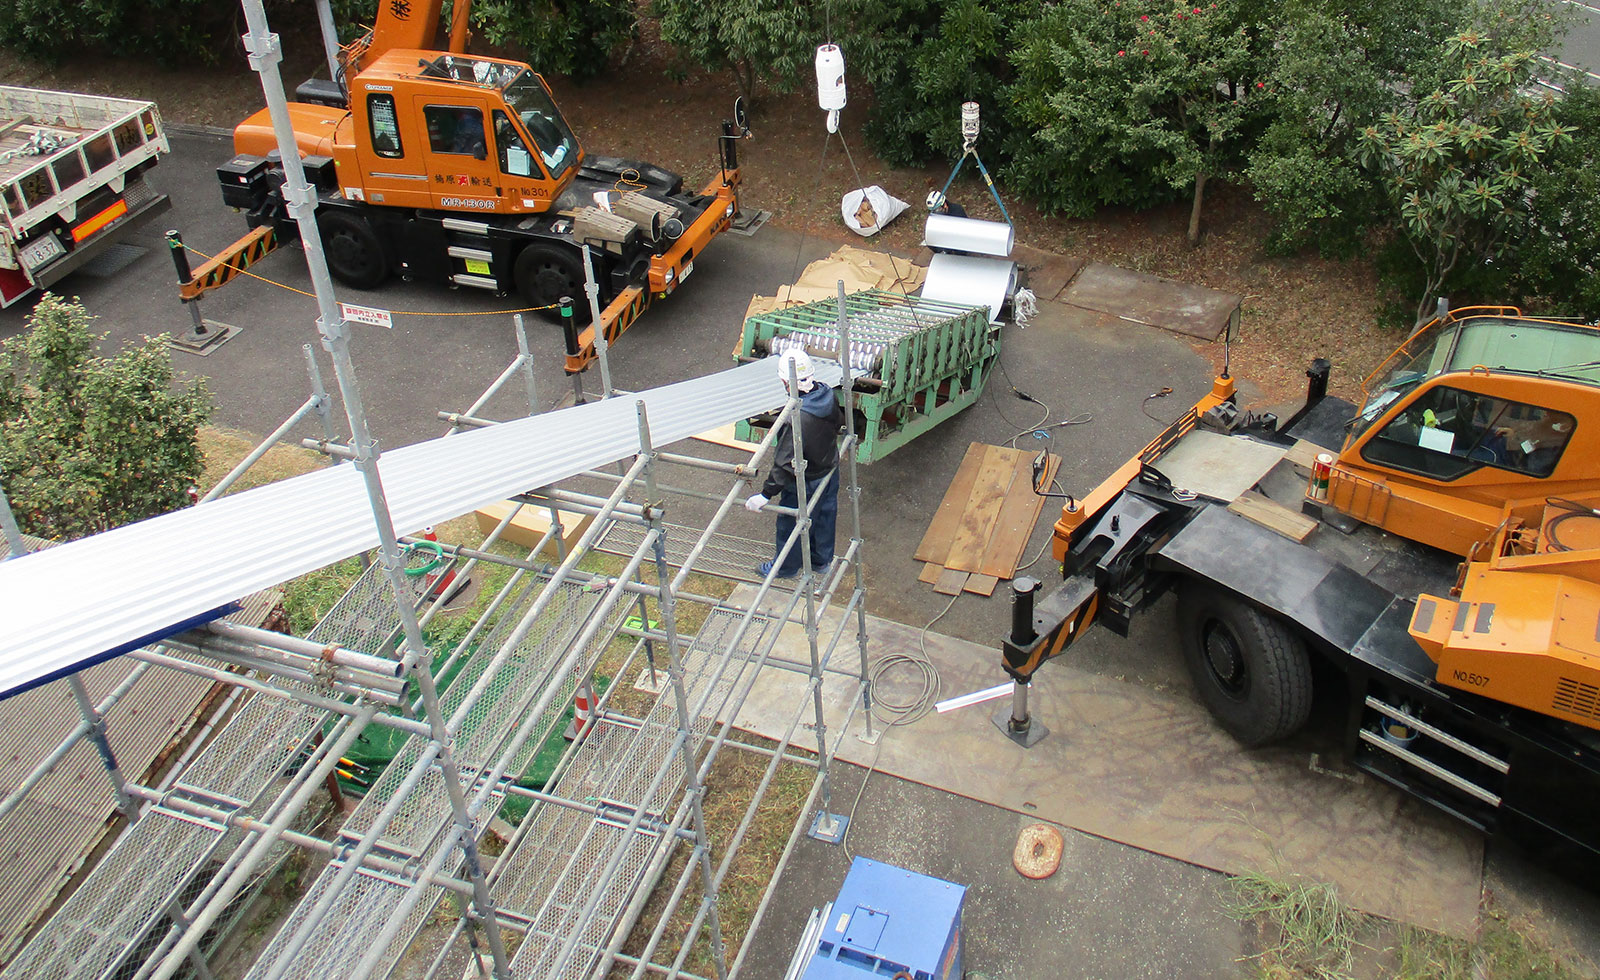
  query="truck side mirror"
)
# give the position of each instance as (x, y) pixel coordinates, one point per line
(740, 117)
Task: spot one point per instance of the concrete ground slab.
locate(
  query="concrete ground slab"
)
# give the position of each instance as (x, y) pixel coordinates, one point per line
(1152, 770)
(1110, 911)
(1176, 306)
(1048, 272)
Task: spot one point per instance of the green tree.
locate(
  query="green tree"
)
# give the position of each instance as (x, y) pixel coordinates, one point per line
(922, 61)
(575, 39)
(88, 443)
(1335, 71)
(1132, 103)
(1457, 160)
(770, 42)
(1557, 264)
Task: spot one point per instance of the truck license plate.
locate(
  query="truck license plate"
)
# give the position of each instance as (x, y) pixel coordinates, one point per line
(688, 269)
(42, 251)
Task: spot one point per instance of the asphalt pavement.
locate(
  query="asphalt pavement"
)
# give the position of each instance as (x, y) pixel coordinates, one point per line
(1121, 912)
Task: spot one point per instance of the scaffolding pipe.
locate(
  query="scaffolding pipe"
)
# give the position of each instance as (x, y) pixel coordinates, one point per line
(242, 680)
(222, 647)
(601, 344)
(675, 678)
(330, 750)
(72, 738)
(538, 607)
(198, 741)
(15, 548)
(307, 648)
(183, 807)
(274, 669)
(516, 365)
(574, 499)
(527, 363)
(849, 460)
(306, 408)
(354, 860)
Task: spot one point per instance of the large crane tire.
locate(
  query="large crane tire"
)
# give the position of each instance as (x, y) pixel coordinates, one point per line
(1250, 669)
(544, 274)
(355, 256)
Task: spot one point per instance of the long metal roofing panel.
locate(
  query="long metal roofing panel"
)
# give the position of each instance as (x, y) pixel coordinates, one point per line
(91, 599)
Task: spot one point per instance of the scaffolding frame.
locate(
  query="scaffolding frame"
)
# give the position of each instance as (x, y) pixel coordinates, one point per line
(625, 796)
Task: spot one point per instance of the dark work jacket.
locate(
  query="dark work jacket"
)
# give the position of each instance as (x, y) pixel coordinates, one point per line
(821, 418)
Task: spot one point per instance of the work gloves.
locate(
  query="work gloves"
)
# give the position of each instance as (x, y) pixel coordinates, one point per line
(755, 503)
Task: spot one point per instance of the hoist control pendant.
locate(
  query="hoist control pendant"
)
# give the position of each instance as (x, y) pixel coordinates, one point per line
(830, 78)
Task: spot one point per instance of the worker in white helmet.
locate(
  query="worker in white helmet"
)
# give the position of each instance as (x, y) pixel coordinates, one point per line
(820, 418)
(939, 204)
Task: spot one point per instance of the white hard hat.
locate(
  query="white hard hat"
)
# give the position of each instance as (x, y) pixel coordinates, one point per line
(935, 200)
(796, 363)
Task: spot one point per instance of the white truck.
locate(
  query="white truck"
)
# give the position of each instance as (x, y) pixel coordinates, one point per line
(72, 174)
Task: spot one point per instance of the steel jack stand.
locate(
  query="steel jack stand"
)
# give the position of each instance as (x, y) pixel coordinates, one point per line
(1015, 722)
(204, 335)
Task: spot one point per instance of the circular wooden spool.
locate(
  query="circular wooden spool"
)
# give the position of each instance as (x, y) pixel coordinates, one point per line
(1038, 852)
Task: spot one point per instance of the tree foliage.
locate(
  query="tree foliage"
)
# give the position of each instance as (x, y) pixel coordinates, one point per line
(770, 42)
(923, 61)
(1130, 103)
(169, 31)
(1556, 265)
(1336, 70)
(575, 39)
(1457, 160)
(88, 443)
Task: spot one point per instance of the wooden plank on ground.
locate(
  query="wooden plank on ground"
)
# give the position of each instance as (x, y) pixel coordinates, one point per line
(935, 546)
(951, 582)
(1013, 526)
(1273, 516)
(981, 584)
(989, 491)
(931, 571)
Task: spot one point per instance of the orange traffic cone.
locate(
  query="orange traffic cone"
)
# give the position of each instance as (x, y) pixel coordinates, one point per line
(582, 711)
(434, 584)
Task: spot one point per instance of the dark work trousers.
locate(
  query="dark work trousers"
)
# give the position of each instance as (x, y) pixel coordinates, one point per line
(823, 518)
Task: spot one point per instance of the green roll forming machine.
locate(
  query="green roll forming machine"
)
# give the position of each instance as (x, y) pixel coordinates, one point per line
(914, 362)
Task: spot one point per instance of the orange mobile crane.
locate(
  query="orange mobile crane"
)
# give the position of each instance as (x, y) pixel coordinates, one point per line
(439, 165)
(1437, 546)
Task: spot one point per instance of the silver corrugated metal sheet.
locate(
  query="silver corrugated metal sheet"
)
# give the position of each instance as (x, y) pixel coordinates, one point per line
(92, 598)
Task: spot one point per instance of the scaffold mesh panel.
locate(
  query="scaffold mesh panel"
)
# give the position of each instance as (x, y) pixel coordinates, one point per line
(572, 874)
(727, 555)
(119, 913)
(421, 820)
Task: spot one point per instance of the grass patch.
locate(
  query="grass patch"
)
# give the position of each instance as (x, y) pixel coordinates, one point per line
(731, 783)
(1303, 930)
(223, 449)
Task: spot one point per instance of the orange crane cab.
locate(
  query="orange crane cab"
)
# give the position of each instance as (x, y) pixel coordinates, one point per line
(1437, 547)
(443, 166)
(1479, 408)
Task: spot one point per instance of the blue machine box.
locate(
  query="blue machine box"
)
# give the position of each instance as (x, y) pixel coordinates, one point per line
(890, 922)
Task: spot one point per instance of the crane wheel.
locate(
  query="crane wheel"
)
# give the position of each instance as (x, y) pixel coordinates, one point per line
(355, 256)
(1251, 669)
(544, 274)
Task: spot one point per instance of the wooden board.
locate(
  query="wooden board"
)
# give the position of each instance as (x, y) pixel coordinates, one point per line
(935, 546)
(989, 491)
(1273, 516)
(981, 584)
(723, 435)
(531, 523)
(1015, 522)
(1303, 454)
(930, 572)
(951, 582)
